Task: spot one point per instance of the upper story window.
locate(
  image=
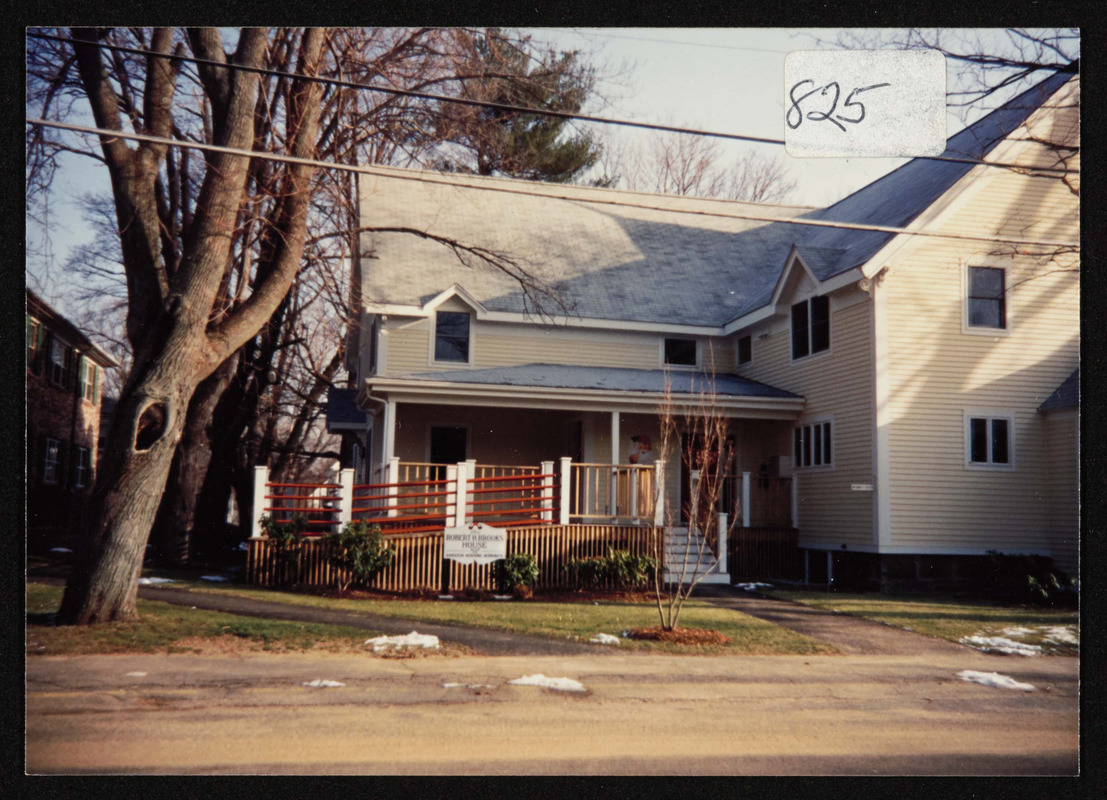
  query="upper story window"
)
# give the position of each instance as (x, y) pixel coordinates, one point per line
(810, 326)
(451, 336)
(88, 380)
(987, 304)
(811, 445)
(680, 352)
(60, 357)
(34, 332)
(745, 350)
(989, 440)
(82, 468)
(50, 461)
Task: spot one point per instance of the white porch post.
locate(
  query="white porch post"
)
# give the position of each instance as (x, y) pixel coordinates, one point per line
(721, 537)
(566, 489)
(659, 494)
(612, 496)
(460, 498)
(547, 468)
(261, 477)
(745, 499)
(389, 430)
(451, 499)
(393, 477)
(346, 497)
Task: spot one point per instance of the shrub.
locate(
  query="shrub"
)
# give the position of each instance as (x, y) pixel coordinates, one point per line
(520, 569)
(359, 552)
(285, 539)
(587, 573)
(619, 567)
(1030, 578)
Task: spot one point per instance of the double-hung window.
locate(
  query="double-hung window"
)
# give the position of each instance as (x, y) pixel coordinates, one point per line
(59, 363)
(987, 301)
(82, 468)
(811, 445)
(989, 441)
(50, 461)
(810, 326)
(88, 380)
(451, 336)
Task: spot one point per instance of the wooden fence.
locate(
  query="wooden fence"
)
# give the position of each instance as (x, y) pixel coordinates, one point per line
(417, 564)
(764, 554)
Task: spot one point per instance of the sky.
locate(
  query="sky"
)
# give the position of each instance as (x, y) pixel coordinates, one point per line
(728, 80)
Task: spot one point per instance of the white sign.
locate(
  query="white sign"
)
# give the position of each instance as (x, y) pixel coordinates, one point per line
(861, 487)
(474, 544)
(870, 103)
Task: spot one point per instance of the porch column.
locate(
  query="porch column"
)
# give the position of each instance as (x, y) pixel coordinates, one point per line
(721, 525)
(745, 499)
(461, 473)
(346, 497)
(612, 496)
(566, 490)
(451, 498)
(392, 476)
(547, 468)
(389, 430)
(470, 474)
(261, 477)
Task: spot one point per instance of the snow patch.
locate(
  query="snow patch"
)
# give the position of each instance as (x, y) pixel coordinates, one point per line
(560, 684)
(445, 597)
(60, 550)
(604, 638)
(752, 587)
(412, 639)
(1018, 632)
(502, 597)
(994, 679)
(322, 683)
(1061, 634)
(998, 644)
(214, 578)
(135, 675)
(153, 581)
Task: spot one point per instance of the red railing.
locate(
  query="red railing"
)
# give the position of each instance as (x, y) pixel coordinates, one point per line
(506, 500)
(387, 504)
(320, 503)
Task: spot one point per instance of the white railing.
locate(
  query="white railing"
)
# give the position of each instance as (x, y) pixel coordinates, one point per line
(613, 491)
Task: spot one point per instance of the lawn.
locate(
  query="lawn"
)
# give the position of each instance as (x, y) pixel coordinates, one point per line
(954, 618)
(563, 620)
(166, 628)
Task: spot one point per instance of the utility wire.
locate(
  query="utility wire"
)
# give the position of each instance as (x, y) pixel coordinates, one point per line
(586, 33)
(504, 106)
(395, 172)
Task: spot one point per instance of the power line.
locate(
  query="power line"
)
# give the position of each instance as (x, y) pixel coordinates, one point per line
(507, 107)
(604, 35)
(394, 172)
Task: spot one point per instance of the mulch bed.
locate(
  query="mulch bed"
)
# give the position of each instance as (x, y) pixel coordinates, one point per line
(690, 636)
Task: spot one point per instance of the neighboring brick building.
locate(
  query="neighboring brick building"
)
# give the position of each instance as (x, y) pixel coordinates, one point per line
(64, 378)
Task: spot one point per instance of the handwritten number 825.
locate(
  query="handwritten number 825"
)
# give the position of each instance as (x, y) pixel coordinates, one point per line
(834, 92)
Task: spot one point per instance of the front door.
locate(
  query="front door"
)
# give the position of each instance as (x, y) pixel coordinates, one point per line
(692, 456)
(448, 445)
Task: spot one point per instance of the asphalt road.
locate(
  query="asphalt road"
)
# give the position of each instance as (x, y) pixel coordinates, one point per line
(641, 714)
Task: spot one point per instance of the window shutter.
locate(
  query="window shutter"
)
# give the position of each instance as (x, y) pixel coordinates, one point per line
(80, 382)
(95, 383)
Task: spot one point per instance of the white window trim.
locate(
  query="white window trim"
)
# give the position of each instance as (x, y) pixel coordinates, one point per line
(988, 263)
(439, 424)
(79, 467)
(813, 421)
(433, 336)
(684, 367)
(830, 316)
(53, 479)
(62, 347)
(737, 360)
(989, 414)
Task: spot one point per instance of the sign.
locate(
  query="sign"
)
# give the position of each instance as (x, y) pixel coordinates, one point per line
(868, 103)
(861, 487)
(474, 544)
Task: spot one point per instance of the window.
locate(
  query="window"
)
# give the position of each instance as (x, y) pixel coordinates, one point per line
(82, 468)
(88, 380)
(451, 336)
(50, 461)
(60, 356)
(812, 445)
(34, 331)
(810, 326)
(680, 352)
(989, 442)
(745, 350)
(987, 305)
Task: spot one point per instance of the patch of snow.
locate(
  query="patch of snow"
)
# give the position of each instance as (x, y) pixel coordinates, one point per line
(752, 587)
(135, 675)
(998, 644)
(243, 546)
(560, 684)
(153, 581)
(994, 679)
(215, 578)
(60, 550)
(412, 639)
(604, 638)
(1018, 632)
(445, 597)
(467, 686)
(502, 597)
(1061, 634)
(322, 683)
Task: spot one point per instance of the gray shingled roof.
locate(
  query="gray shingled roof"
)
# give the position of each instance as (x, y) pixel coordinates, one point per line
(620, 263)
(558, 376)
(1067, 395)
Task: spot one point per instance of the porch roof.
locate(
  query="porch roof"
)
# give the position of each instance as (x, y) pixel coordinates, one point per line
(564, 386)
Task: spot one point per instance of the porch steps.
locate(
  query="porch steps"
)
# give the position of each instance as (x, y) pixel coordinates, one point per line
(681, 545)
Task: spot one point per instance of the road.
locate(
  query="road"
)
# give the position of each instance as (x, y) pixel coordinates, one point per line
(641, 714)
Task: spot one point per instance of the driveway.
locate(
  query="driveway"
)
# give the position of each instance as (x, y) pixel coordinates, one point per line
(642, 714)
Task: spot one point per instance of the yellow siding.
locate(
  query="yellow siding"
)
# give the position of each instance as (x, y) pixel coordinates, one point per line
(937, 371)
(838, 383)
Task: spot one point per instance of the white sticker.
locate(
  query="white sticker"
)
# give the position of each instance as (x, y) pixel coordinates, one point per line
(868, 103)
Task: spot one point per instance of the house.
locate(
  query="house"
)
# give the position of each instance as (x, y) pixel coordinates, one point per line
(886, 390)
(65, 376)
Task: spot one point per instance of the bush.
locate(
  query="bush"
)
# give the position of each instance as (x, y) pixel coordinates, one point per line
(285, 538)
(1032, 579)
(359, 551)
(618, 567)
(520, 569)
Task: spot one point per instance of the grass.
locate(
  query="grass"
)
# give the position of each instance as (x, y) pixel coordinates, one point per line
(166, 628)
(946, 617)
(564, 620)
